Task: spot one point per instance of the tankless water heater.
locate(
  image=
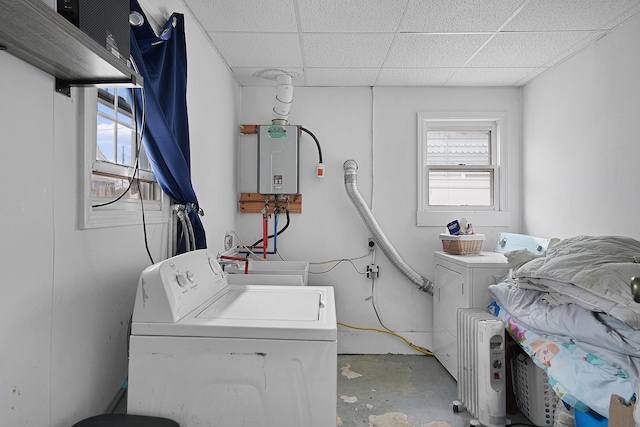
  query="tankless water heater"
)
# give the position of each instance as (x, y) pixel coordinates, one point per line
(278, 159)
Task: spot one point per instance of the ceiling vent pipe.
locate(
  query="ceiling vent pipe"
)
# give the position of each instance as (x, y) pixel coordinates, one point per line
(351, 185)
(284, 98)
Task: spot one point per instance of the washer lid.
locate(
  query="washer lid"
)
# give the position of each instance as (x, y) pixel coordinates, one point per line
(256, 312)
(271, 304)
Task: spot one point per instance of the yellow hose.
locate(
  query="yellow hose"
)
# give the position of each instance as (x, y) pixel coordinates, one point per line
(410, 344)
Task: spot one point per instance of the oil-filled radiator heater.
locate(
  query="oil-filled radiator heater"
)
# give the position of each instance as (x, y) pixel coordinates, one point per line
(481, 367)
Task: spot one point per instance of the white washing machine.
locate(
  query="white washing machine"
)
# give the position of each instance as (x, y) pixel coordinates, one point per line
(207, 353)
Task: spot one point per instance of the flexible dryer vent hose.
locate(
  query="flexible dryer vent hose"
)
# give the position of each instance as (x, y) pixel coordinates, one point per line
(351, 185)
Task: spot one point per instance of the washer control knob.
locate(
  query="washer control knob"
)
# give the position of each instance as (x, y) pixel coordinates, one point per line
(497, 364)
(182, 281)
(190, 276)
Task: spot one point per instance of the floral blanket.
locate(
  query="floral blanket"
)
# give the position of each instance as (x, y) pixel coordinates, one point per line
(586, 360)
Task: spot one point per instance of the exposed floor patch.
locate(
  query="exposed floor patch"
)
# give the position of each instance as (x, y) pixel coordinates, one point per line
(349, 399)
(347, 372)
(390, 419)
(437, 424)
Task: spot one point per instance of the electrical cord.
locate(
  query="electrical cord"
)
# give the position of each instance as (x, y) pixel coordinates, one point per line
(338, 262)
(316, 140)
(386, 330)
(143, 119)
(375, 309)
(134, 176)
(136, 168)
(138, 145)
(144, 227)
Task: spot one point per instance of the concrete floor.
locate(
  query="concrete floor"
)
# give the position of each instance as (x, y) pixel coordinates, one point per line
(394, 391)
(399, 391)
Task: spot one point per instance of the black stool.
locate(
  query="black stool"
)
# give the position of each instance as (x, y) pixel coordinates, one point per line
(125, 420)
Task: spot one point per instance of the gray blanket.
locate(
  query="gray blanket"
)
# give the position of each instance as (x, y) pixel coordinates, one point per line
(592, 271)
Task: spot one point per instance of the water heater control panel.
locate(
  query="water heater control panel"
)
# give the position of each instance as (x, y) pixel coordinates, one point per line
(278, 159)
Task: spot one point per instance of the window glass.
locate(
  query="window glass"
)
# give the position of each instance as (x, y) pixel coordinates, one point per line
(116, 186)
(116, 150)
(459, 147)
(459, 167)
(471, 188)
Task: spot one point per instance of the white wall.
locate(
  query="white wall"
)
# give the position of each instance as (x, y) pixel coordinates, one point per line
(580, 139)
(377, 128)
(68, 293)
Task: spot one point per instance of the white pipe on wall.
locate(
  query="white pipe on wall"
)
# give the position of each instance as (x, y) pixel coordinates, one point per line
(284, 97)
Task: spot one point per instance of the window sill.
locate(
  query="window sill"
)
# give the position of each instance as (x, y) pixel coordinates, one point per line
(125, 214)
(477, 218)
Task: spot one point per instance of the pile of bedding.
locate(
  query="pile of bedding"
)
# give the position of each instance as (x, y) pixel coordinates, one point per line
(572, 311)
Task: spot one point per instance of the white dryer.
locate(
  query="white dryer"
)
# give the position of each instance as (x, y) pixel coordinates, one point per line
(206, 353)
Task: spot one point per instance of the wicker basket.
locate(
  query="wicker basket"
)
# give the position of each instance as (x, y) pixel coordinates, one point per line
(462, 245)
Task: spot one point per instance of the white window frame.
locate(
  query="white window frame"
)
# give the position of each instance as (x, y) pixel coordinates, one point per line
(495, 215)
(125, 211)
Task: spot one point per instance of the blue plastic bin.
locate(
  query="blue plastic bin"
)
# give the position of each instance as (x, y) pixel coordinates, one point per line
(590, 419)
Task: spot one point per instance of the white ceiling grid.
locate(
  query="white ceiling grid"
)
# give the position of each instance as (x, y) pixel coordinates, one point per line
(403, 42)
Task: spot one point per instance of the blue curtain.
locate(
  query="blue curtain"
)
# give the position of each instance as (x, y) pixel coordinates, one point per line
(162, 62)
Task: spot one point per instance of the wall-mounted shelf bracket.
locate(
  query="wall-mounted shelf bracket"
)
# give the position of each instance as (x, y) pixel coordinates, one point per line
(34, 32)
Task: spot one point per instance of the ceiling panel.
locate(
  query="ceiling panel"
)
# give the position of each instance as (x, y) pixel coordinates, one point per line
(528, 49)
(490, 76)
(400, 42)
(570, 15)
(350, 16)
(452, 16)
(246, 15)
(259, 50)
(345, 50)
(338, 77)
(251, 76)
(414, 76)
(433, 50)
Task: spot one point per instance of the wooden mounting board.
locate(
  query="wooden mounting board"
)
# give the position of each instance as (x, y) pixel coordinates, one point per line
(254, 203)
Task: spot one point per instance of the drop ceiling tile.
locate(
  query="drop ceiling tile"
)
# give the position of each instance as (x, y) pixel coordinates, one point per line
(252, 76)
(528, 78)
(259, 50)
(530, 49)
(568, 15)
(433, 50)
(341, 76)
(345, 50)
(490, 76)
(414, 76)
(350, 16)
(451, 16)
(245, 15)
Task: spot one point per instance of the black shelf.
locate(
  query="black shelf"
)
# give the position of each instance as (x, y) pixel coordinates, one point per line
(34, 32)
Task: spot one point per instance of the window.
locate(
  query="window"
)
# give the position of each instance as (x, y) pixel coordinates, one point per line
(117, 172)
(460, 168)
(117, 151)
